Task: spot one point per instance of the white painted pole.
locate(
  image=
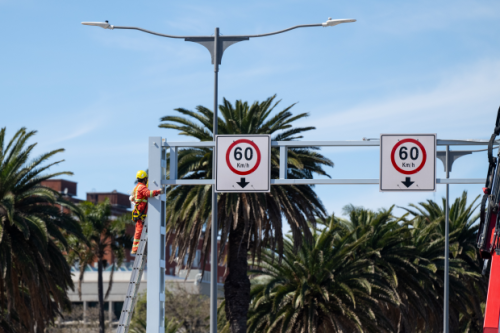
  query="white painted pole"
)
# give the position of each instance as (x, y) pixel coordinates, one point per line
(84, 313)
(156, 242)
(214, 230)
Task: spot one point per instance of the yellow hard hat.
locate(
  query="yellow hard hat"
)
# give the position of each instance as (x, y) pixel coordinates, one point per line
(141, 174)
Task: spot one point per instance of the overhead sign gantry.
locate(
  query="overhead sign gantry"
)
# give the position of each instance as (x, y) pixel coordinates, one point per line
(237, 150)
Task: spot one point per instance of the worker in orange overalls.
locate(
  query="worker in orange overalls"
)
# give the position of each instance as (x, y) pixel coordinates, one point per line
(140, 197)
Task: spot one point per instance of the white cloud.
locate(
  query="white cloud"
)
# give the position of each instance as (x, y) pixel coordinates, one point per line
(77, 123)
(72, 133)
(462, 105)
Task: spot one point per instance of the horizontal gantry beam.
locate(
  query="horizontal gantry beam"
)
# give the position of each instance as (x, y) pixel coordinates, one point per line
(463, 181)
(370, 143)
(284, 145)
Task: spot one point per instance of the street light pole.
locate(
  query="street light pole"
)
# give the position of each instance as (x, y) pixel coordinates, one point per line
(216, 45)
(214, 229)
(447, 249)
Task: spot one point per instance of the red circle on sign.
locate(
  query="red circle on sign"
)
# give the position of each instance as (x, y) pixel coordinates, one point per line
(228, 162)
(424, 156)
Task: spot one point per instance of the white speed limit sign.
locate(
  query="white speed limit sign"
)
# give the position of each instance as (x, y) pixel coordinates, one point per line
(243, 163)
(408, 162)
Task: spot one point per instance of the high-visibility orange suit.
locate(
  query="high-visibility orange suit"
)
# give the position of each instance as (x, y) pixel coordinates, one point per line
(140, 198)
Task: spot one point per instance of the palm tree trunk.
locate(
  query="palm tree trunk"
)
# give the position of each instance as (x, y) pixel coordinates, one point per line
(100, 294)
(237, 284)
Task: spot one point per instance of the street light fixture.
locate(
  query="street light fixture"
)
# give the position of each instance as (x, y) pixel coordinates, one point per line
(216, 45)
(332, 23)
(104, 25)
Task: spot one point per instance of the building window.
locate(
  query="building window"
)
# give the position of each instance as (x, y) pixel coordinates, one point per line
(117, 309)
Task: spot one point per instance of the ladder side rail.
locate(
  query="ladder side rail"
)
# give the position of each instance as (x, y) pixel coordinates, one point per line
(126, 309)
(133, 300)
(134, 284)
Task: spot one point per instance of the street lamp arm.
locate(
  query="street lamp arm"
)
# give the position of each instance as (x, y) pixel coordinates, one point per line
(147, 31)
(280, 31)
(247, 36)
(328, 23)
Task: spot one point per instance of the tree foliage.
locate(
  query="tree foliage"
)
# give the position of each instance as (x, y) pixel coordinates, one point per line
(189, 207)
(104, 235)
(328, 285)
(34, 274)
(468, 288)
(186, 312)
(246, 221)
(374, 272)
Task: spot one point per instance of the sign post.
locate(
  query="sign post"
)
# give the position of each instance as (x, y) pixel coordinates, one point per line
(243, 163)
(408, 162)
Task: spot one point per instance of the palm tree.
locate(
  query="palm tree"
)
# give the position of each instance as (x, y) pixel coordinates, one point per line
(246, 221)
(104, 235)
(403, 254)
(410, 252)
(328, 285)
(403, 261)
(34, 274)
(467, 287)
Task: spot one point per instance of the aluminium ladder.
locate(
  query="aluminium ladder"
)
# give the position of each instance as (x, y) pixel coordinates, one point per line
(135, 282)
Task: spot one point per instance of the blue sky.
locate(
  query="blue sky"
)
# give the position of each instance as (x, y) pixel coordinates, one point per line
(420, 66)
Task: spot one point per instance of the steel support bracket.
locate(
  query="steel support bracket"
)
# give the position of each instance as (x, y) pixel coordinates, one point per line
(224, 43)
(452, 157)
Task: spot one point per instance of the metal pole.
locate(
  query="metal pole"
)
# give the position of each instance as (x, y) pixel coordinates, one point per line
(84, 314)
(214, 233)
(447, 250)
(156, 242)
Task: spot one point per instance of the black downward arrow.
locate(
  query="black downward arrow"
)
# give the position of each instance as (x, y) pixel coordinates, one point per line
(408, 182)
(242, 183)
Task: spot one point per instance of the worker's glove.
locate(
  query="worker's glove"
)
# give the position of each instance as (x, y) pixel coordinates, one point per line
(131, 198)
(162, 191)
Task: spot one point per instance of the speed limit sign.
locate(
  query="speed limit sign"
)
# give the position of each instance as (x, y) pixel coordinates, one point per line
(243, 163)
(408, 162)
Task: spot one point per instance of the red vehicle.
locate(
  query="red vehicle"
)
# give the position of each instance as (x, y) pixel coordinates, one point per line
(488, 240)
